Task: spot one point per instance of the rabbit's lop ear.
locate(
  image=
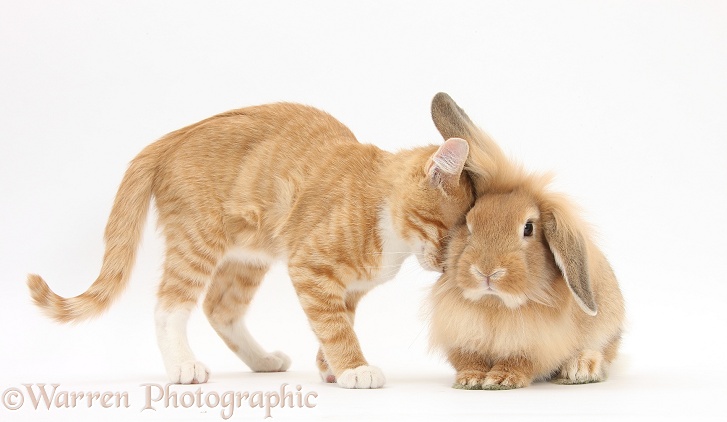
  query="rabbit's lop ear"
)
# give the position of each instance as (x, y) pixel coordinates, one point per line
(444, 168)
(569, 250)
(451, 121)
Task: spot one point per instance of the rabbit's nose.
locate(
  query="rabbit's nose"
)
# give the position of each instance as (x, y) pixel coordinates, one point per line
(497, 274)
(486, 279)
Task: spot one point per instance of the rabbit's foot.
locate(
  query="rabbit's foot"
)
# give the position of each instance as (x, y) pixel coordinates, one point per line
(587, 367)
(469, 379)
(508, 375)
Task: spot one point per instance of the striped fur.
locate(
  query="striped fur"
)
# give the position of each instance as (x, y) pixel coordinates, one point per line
(245, 188)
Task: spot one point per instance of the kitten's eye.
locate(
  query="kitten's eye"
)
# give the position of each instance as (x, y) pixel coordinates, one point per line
(528, 229)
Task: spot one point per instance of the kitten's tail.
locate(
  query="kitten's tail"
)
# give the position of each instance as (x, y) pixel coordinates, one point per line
(123, 233)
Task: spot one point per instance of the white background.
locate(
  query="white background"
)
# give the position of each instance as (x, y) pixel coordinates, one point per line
(625, 100)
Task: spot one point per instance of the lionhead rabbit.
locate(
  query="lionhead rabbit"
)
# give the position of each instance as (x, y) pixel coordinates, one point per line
(526, 294)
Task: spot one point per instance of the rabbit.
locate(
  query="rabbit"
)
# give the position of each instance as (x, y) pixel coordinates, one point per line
(525, 295)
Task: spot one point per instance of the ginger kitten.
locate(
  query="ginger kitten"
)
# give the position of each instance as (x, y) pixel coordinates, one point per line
(242, 189)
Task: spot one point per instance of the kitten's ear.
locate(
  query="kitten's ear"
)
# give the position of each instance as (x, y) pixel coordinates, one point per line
(444, 168)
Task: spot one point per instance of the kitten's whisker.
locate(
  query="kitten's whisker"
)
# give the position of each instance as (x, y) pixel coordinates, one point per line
(428, 311)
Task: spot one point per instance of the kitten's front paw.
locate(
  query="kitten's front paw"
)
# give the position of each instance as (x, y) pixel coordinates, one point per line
(272, 362)
(188, 373)
(585, 368)
(502, 379)
(362, 377)
(469, 379)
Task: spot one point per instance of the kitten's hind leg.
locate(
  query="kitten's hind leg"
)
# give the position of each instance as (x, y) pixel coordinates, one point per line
(182, 367)
(186, 274)
(232, 289)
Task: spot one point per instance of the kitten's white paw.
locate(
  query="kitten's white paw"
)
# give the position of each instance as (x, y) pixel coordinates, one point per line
(362, 377)
(272, 362)
(189, 373)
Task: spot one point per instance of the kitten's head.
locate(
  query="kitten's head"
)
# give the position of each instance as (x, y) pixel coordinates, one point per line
(434, 197)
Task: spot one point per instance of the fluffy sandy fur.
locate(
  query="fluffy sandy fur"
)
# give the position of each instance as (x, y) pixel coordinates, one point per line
(511, 308)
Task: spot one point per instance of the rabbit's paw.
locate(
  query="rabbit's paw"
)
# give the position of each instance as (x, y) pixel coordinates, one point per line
(469, 379)
(585, 368)
(505, 378)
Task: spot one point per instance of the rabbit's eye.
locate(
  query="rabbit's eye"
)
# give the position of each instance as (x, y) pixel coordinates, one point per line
(528, 229)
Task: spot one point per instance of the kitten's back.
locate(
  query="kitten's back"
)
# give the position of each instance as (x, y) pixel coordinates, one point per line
(192, 174)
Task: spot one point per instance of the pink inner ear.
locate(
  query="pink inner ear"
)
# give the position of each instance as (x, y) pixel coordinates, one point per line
(451, 156)
(428, 165)
(458, 146)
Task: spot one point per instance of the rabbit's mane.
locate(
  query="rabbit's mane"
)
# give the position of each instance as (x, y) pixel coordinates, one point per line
(493, 172)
